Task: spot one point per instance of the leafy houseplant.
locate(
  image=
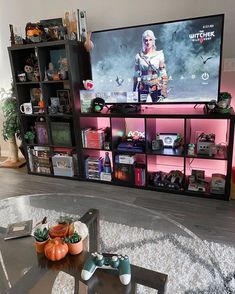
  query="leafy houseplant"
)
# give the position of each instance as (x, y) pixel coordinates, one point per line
(11, 127)
(41, 237)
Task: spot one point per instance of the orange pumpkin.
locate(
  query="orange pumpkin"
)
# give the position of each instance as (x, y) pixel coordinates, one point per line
(55, 249)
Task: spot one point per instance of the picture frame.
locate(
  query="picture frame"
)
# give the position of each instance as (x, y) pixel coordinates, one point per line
(61, 134)
(35, 96)
(65, 100)
(42, 134)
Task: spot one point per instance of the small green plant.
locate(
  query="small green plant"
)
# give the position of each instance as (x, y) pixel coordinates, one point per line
(75, 238)
(41, 235)
(29, 135)
(65, 219)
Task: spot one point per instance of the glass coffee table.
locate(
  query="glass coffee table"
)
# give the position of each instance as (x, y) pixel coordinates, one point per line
(165, 256)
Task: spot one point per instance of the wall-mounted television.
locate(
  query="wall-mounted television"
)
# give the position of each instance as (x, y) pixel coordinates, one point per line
(171, 62)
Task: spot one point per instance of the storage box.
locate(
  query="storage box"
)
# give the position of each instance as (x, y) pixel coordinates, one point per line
(63, 165)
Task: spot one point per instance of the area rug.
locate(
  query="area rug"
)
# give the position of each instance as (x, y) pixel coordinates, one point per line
(185, 260)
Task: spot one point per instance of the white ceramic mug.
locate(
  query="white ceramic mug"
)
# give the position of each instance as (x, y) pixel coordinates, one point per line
(26, 108)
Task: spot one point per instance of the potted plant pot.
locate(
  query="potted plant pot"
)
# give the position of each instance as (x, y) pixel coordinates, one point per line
(75, 243)
(39, 246)
(75, 248)
(41, 236)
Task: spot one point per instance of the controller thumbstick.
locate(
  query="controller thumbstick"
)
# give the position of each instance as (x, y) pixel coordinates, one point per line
(99, 257)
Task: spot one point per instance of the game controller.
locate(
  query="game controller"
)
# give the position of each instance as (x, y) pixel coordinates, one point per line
(118, 262)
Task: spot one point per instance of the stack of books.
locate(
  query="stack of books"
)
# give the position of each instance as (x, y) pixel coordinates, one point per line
(93, 139)
(39, 159)
(93, 167)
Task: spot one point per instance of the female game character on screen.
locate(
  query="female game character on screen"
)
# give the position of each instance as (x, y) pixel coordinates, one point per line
(150, 70)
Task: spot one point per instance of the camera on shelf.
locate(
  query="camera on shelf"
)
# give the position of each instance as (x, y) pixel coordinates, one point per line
(206, 144)
(166, 140)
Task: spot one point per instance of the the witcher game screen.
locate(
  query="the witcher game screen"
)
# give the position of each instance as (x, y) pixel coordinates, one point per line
(173, 62)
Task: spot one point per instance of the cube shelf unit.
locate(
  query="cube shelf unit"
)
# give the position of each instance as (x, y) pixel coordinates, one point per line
(188, 122)
(65, 131)
(56, 131)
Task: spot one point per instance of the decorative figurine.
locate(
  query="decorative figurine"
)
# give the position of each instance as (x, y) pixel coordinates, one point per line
(88, 84)
(191, 149)
(88, 43)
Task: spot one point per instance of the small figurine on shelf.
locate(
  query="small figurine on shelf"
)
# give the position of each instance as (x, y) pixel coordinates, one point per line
(191, 149)
(50, 72)
(88, 43)
(222, 106)
(88, 84)
(41, 106)
(63, 68)
(177, 141)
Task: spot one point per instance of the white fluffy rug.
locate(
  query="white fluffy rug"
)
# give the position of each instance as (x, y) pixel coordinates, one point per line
(185, 260)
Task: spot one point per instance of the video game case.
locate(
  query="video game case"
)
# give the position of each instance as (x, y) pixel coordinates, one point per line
(127, 159)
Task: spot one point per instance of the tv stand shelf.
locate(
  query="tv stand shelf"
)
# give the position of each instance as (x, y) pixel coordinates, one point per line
(63, 153)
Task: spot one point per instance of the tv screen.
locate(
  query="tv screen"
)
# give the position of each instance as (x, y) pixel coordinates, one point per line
(172, 62)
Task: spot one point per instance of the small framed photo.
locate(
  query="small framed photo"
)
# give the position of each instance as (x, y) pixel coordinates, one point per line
(64, 100)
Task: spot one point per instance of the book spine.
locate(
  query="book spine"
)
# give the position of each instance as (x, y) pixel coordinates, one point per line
(138, 176)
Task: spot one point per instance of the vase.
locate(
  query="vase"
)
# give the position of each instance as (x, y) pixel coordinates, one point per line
(39, 246)
(75, 248)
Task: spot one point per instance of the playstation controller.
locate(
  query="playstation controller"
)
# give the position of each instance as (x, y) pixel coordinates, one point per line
(118, 262)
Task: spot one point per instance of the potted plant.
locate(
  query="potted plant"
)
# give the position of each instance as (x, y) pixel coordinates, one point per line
(41, 236)
(11, 127)
(30, 137)
(75, 243)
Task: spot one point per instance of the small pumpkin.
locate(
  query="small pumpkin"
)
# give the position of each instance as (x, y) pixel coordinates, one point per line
(56, 249)
(60, 230)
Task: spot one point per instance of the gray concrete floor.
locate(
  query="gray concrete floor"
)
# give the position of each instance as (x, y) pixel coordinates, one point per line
(213, 220)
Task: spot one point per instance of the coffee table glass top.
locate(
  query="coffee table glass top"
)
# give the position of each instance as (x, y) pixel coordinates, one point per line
(150, 239)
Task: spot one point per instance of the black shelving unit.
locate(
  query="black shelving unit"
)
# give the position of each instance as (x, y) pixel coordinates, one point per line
(179, 120)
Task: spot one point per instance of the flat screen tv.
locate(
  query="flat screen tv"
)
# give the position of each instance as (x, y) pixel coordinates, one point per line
(170, 62)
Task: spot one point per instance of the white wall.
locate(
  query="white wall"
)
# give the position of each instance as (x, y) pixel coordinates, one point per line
(103, 14)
